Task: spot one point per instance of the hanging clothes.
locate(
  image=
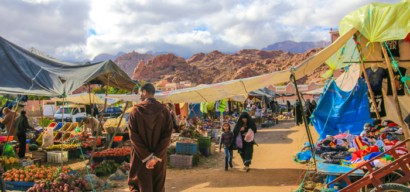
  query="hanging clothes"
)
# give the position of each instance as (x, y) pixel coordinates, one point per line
(399, 85)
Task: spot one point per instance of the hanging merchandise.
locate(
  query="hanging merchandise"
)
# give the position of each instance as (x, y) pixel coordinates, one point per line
(222, 105)
(204, 107)
(177, 109)
(393, 46)
(378, 98)
(397, 82)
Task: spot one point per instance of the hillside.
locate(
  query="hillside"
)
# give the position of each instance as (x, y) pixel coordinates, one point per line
(217, 67)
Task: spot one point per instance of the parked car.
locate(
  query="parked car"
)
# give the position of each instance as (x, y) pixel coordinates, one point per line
(71, 113)
(112, 112)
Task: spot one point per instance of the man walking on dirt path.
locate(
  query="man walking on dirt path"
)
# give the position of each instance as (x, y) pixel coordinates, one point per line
(150, 129)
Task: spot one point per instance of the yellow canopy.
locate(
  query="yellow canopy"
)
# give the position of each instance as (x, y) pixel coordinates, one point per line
(379, 22)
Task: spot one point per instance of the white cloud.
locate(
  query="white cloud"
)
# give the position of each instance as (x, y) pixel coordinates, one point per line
(75, 29)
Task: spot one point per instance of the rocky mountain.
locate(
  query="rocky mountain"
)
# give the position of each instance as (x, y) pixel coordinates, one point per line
(129, 61)
(216, 67)
(296, 47)
(105, 57)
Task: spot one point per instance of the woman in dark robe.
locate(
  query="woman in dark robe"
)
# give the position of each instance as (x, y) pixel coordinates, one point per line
(297, 112)
(245, 122)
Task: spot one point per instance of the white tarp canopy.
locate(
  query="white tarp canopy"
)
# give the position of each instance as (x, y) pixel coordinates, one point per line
(83, 98)
(218, 91)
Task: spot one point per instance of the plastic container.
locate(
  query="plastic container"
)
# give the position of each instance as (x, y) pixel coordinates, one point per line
(117, 138)
(57, 156)
(181, 161)
(204, 142)
(18, 186)
(186, 148)
(65, 127)
(4, 138)
(72, 126)
(52, 125)
(58, 126)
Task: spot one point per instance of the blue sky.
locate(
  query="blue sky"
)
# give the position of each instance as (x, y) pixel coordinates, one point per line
(82, 29)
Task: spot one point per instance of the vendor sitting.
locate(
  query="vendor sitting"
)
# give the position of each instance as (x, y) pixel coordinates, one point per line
(90, 124)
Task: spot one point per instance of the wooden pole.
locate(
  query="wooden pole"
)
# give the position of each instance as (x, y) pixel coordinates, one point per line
(101, 118)
(396, 99)
(119, 122)
(366, 77)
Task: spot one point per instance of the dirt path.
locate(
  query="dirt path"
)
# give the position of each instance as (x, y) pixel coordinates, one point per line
(272, 168)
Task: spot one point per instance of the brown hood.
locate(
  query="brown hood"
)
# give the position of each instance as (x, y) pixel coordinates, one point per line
(150, 110)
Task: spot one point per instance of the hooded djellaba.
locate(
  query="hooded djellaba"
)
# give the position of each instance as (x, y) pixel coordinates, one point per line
(242, 127)
(150, 129)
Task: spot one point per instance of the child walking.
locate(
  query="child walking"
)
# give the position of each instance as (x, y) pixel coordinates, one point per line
(226, 141)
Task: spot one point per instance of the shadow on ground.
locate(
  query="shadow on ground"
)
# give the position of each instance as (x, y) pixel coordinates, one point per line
(237, 178)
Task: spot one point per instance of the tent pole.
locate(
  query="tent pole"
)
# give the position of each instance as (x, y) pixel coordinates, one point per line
(396, 99)
(41, 113)
(89, 95)
(366, 77)
(119, 123)
(309, 134)
(99, 123)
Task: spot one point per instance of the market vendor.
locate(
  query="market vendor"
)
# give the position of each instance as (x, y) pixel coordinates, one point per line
(21, 125)
(90, 124)
(9, 117)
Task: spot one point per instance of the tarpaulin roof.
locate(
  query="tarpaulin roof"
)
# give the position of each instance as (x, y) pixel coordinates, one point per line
(262, 92)
(379, 22)
(27, 73)
(229, 89)
(82, 98)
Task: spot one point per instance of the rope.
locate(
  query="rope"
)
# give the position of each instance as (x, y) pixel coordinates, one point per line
(86, 168)
(395, 65)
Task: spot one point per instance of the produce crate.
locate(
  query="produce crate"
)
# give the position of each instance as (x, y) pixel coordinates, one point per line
(181, 161)
(204, 142)
(65, 126)
(186, 148)
(39, 155)
(26, 162)
(18, 186)
(74, 154)
(57, 156)
(58, 126)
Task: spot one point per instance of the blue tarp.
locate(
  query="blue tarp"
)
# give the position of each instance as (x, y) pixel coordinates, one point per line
(340, 112)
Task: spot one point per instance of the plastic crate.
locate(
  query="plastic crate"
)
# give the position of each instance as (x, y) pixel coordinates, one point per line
(58, 126)
(204, 142)
(57, 156)
(181, 161)
(186, 148)
(18, 186)
(4, 138)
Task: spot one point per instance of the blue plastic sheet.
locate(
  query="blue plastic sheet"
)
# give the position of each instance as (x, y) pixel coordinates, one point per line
(342, 112)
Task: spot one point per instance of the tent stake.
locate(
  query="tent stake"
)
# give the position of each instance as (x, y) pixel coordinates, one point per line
(396, 99)
(366, 77)
(310, 138)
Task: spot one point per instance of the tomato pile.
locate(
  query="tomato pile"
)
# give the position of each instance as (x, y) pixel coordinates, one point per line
(33, 173)
(114, 152)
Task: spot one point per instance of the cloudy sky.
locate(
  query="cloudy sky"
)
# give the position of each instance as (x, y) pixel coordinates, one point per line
(82, 29)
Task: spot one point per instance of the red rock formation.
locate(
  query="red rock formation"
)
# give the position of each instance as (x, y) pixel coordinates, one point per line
(217, 67)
